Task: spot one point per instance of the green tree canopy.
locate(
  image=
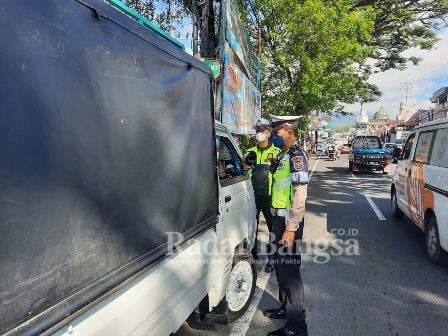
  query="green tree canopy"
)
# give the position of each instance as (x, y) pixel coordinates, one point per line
(312, 54)
(319, 54)
(401, 25)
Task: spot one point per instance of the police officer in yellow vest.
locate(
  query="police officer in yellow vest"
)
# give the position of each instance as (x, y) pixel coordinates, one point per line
(289, 192)
(262, 178)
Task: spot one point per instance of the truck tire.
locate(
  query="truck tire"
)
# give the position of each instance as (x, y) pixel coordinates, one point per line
(434, 251)
(241, 287)
(397, 213)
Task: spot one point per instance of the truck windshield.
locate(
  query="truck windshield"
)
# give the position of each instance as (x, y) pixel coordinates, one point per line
(366, 142)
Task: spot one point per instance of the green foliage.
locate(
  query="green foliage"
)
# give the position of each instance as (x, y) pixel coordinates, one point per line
(246, 142)
(401, 25)
(343, 129)
(317, 54)
(312, 51)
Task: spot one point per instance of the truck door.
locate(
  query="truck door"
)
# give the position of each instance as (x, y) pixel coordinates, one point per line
(234, 193)
(403, 170)
(436, 181)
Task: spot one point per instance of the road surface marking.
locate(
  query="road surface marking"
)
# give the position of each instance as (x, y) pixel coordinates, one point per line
(353, 175)
(375, 208)
(314, 167)
(241, 326)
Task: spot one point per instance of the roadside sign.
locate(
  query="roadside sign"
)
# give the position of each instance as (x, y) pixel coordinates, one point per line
(215, 65)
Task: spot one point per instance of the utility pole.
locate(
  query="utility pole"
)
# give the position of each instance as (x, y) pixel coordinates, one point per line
(259, 37)
(195, 27)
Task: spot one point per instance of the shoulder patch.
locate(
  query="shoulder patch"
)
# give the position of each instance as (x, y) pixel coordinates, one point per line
(298, 162)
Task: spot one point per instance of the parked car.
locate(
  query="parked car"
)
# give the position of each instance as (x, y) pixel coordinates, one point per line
(367, 153)
(420, 186)
(345, 149)
(320, 147)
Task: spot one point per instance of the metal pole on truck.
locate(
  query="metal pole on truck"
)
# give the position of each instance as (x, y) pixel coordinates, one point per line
(195, 27)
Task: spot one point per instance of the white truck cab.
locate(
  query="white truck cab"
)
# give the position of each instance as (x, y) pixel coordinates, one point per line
(158, 301)
(420, 185)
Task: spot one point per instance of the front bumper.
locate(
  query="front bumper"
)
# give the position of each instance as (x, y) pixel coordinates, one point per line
(373, 164)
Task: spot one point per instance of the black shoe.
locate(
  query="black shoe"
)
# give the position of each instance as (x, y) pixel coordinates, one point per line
(285, 331)
(275, 313)
(270, 266)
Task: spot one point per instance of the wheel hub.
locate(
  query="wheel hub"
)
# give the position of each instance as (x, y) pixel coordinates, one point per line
(240, 285)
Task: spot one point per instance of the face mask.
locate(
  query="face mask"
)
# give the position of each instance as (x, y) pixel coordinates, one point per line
(277, 141)
(261, 137)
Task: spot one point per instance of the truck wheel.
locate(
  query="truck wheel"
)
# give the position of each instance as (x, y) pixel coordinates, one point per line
(241, 287)
(394, 204)
(434, 251)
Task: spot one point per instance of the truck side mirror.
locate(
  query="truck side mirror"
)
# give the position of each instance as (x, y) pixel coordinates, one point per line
(250, 159)
(231, 170)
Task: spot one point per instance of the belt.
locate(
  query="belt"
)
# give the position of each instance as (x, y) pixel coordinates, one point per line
(285, 212)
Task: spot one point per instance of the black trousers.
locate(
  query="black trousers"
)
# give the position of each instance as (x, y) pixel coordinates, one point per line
(288, 261)
(263, 204)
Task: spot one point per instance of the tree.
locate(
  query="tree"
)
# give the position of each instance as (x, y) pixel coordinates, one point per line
(401, 25)
(318, 54)
(343, 129)
(313, 55)
(162, 13)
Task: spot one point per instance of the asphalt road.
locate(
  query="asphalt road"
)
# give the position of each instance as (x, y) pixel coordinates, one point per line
(382, 283)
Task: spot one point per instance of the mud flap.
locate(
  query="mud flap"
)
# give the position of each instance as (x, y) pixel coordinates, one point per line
(219, 314)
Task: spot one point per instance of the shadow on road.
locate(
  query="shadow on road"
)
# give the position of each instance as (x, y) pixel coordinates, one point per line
(391, 287)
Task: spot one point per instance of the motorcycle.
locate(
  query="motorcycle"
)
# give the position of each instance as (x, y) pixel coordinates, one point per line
(332, 154)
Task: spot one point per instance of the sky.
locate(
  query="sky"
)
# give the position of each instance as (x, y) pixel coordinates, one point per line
(426, 78)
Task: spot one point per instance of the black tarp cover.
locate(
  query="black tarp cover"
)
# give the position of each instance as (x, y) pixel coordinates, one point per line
(106, 144)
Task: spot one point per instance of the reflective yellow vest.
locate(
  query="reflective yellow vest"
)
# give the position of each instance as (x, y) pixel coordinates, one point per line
(282, 190)
(260, 175)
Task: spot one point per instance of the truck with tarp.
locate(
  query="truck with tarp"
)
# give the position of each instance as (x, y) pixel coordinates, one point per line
(110, 157)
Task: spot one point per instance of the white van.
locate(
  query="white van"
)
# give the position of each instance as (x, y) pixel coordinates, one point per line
(420, 185)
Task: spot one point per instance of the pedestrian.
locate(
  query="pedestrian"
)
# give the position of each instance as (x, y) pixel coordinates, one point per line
(289, 192)
(262, 179)
(308, 147)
